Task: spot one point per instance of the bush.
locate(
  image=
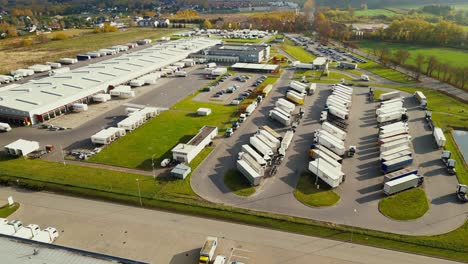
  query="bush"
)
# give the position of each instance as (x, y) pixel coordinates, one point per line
(42, 39)
(59, 36)
(26, 43)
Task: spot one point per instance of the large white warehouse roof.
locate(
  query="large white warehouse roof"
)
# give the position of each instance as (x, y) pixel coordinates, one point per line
(43, 95)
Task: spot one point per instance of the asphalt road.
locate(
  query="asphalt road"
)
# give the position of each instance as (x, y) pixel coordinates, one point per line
(361, 191)
(162, 237)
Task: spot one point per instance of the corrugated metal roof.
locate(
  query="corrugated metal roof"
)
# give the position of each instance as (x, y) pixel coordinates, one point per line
(43, 95)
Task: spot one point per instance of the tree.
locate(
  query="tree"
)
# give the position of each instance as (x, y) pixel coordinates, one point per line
(401, 56)
(207, 24)
(432, 63)
(419, 64)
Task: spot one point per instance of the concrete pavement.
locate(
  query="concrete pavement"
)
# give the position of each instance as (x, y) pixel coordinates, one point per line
(162, 237)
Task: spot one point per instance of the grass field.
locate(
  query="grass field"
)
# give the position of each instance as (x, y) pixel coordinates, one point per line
(377, 93)
(7, 210)
(307, 193)
(21, 57)
(445, 55)
(237, 183)
(297, 53)
(158, 136)
(385, 72)
(408, 205)
(374, 13)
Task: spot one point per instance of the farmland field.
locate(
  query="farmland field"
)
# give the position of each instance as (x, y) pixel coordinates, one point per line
(79, 41)
(374, 12)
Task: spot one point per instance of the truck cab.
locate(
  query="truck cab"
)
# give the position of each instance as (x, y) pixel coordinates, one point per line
(229, 132)
(242, 117)
(208, 250)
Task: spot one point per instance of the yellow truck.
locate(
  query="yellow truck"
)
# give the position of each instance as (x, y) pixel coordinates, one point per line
(208, 250)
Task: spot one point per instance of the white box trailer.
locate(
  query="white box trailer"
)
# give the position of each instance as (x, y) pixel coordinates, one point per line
(22, 72)
(327, 134)
(337, 102)
(335, 131)
(58, 71)
(101, 98)
(328, 152)
(127, 94)
(312, 88)
(211, 65)
(316, 154)
(68, 60)
(439, 137)
(387, 107)
(180, 74)
(21, 147)
(337, 96)
(326, 172)
(285, 105)
(402, 184)
(395, 150)
(280, 118)
(94, 54)
(103, 137)
(286, 142)
(345, 96)
(250, 108)
(6, 79)
(393, 133)
(298, 87)
(54, 65)
(79, 107)
(295, 97)
(338, 112)
(4, 127)
(390, 139)
(331, 144)
(137, 83)
(249, 173)
(151, 78)
(265, 140)
(393, 116)
(28, 232)
(343, 88)
(11, 228)
(394, 144)
(420, 97)
(260, 146)
(38, 68)
(400, 154)
(389, 95)
(252, 163)
(391, 126)
(388, 110)
(48, 235)
(219, 71)
(281, 111)
(260, 160)
(118, 132)
(399, 99)
(270, 138)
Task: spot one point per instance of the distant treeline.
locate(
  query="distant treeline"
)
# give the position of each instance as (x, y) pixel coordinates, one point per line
(378, 3)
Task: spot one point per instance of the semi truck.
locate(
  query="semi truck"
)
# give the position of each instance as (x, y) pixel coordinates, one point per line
(287, 140)
(28, 232)
(393, 133)
(338, 112)
(448, 162)
(399, 174)
(347, 65)
(295, 97)
(11, 228)
(393, 116)
(249, 110)
(335, 131)
(421, 98)
(395, 138)
(389, 95)
(439, 137)
(261, 147)
(263, 161)
(280, 118)
(285, 105)
(331, 144)
(298, 87)
(396, 164)
(462, 192)
(5, 127)
(281, 111)
(208, 250)
(328, 152)
(327, 173)
(402, 184)
(394, 144)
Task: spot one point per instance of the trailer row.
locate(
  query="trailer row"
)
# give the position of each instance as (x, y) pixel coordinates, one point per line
(33, 232)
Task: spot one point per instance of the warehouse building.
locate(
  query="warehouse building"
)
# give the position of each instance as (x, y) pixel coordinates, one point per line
(43, 99)
(231, 53)
(255, 67)
(187, 152)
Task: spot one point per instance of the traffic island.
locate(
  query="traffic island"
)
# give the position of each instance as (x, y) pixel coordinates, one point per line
(8, 210)
(407, 205)
(307, 192)
(238, 184)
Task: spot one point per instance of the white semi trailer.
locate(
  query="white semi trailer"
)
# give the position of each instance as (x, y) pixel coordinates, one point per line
(280, 118)
(402, 184)
(335, 131)
(327, 173)
(262, 160)
(261, 147)
(249, 173)
(331, 144)
(285, 105)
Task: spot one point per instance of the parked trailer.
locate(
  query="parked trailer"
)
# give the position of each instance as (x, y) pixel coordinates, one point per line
(338, 112)
(392, 130)
(281, 111)
(326, 133)
(270, 138)
(397, 155)
(83, 57)
(316, 154)
(393, 133)
(37, 68)
(338, 101)
(252, 163)
(343, 88)
(399, 174)
(266, 90)
(396, 164)
(180, 74)
(59, 71)
(260, 160)
(439, 137)
(327, 173)
(286, 142)
(395, 138)
(80, 107)
(28, 232)
(48, 235)
(338, 105)
(402, 184)
(280, 118)
(68, 60)
(273, 132)
(54, 65)
(6, 79)
(399, 99)
(285, 105)
(395, 150)
(137, 83)
(389, 95)
(295, 97)
(298, 87)
(394, 144)
(331, 144)
(261, 147)
(326, 151)
(311, 88)
(335, 131)
(342, 95)
(11, 228)
(4, 127)
(249, 110)
(389, 110)
(393, 116)
(420, 97)
(101, 98)
(208, 250)
(391, 126)
(265, 140)
(248, 172)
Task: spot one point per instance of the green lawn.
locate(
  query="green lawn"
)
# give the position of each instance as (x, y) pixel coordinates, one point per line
(377, 93)
(158, 136)
(453, 57)
(6, 210)
(385, 72)
(297, 53)
(237, 183)
(374, 13)
(408, 205)
(307, 193)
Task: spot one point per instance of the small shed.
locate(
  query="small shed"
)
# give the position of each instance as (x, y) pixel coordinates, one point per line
(21, 147)
(204, 111)
(181, 171)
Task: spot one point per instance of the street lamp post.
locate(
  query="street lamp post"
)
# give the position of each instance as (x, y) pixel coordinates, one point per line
(152, 165)
(355, 212)
(139, 192)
